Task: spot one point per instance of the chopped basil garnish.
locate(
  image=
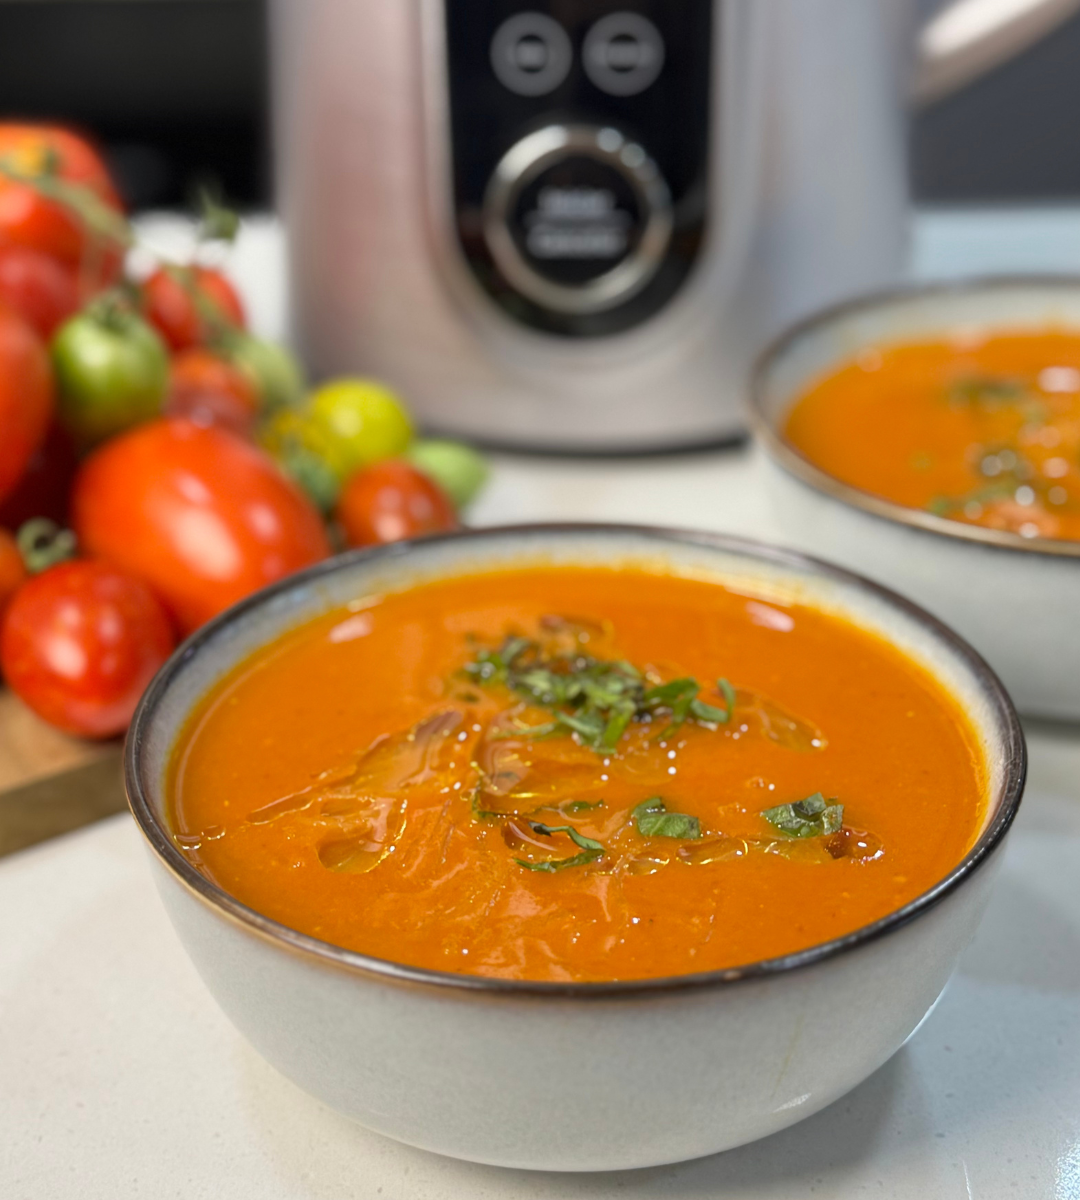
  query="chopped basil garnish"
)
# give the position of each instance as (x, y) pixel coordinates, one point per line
(591, 850)
(986, 389)
(594, 698)
(653, 820)
(812, 817)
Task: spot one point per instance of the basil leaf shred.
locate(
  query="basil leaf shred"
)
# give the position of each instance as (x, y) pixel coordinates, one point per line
(813, 817)
(591, 849)
(653, 820)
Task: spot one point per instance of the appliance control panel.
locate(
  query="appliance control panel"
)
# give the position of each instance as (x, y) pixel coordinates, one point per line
(580, 136)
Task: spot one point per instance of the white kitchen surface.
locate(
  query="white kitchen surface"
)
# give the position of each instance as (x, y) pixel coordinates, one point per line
(120, 1078)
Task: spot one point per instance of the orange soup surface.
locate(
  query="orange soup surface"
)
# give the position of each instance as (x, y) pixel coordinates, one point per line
(980, 429)
(573, 774)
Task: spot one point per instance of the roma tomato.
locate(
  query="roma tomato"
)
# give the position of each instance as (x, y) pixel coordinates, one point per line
(112, 371)
(212, 391)
(42, 289)
(26, 397)
(187, 304)
(63, 202)
(203, 516)
(79, 644)
(12, 569)
(392, 500)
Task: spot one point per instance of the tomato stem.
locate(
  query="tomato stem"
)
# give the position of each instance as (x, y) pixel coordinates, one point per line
(43, 544)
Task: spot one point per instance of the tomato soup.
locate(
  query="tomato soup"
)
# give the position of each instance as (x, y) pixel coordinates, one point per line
(577, 774)
(984, 430)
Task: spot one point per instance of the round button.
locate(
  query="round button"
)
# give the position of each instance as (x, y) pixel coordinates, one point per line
(531, 54)
(577, 218)
(623, 54)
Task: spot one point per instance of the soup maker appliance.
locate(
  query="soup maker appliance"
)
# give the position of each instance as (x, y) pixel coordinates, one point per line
(571, 224)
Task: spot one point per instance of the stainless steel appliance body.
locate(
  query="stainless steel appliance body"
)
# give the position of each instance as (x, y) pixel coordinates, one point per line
(571, 224)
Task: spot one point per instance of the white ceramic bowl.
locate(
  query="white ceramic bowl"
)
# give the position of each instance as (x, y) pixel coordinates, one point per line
(581, 1076)
(1015, 599)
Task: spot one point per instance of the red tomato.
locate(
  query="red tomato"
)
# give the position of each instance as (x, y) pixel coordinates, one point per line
(28, 217)
(12, 569)
(45, 485)
(26, 397)
(183, 302)
(392, 500)
(203, 516)
(39, 287)
(79, 644)
(211, 391)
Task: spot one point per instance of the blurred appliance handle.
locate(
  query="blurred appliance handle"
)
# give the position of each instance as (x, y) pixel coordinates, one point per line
(970, 37)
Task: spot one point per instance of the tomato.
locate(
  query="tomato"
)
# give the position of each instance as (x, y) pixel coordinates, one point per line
(43, 489)
(274, 371)
(458, 469)
(112, 371)
(12, 569)
(186, 304)
(26, 397)
(282, 436)
(355, 422)
(64, 203)
(212, 391)
(43, 290)
(392, 500)
(200, 514)
(79, 644)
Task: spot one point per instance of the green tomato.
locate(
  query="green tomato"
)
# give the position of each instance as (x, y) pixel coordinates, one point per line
(284, 436)
(112, 371)
(314, 477)
(351, 423)
(276, 374)
(458, 469)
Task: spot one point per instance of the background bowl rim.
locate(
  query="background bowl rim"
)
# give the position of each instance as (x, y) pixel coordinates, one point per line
(806, 471)
(1005, 802)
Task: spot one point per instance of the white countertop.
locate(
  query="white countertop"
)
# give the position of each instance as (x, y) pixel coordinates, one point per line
(120, 1078)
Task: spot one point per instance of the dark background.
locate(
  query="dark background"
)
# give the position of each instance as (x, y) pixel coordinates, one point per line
(176, 90)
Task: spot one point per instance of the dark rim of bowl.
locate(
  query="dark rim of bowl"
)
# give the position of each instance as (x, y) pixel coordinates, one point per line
(1004, 803)
(766, 429)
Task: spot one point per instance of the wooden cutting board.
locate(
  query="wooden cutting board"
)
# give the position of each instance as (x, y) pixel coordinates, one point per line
(30, 749)
(51, 783)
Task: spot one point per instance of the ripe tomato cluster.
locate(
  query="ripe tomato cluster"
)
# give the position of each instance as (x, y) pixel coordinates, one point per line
(157, 460)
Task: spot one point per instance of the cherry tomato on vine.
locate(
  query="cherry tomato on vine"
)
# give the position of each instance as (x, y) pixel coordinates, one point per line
(392, 500)
(188, 304)
(42, 289)
(12, 569)
(26, 397)
(56, 196)
(212, 391)
(79, 644)
(202, 515)
(112, 371)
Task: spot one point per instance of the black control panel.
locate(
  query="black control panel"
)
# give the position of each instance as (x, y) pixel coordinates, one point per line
(580, 135)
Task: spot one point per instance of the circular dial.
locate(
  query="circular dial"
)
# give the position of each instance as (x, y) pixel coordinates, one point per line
(577, 218)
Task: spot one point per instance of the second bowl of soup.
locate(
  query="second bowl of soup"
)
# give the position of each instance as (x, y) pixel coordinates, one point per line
(575, 848)
(931, 439)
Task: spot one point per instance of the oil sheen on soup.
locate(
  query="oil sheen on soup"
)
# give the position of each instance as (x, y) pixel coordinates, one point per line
(978, 428)
(576, 774)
